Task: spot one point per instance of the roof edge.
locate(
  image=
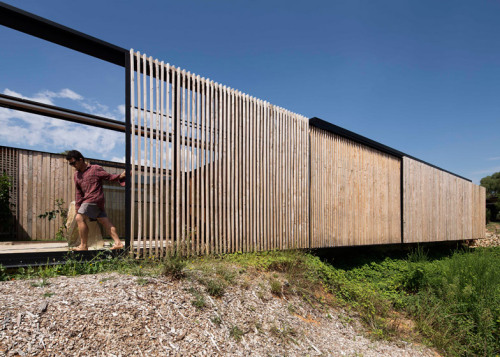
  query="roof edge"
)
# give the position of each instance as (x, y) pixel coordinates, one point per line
(335, 129)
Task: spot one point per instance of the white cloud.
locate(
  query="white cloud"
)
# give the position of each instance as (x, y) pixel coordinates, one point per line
(487, 171)
(23, 129)
(118, 159)
(46, 96)
(493, 158)
(89, 105)
(68, 93)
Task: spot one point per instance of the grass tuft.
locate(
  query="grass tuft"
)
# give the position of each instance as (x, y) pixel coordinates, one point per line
(236, 333)
(174, 267)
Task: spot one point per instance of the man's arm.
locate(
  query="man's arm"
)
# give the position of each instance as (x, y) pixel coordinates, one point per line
(78, 196)
(103, 175)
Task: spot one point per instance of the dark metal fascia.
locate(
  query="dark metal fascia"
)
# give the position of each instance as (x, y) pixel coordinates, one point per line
(45, 29)
(332, 128)
(17, 260)
(30, 106)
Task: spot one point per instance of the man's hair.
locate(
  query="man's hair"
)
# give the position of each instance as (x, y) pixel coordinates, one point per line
(74, 154)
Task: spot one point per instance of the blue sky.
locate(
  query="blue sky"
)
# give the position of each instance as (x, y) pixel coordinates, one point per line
(420, 76)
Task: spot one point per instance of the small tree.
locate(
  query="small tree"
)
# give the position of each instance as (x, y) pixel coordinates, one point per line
(492, 185)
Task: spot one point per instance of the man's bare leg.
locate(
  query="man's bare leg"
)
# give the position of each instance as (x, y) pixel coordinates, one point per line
(83, 231)
(111, 229)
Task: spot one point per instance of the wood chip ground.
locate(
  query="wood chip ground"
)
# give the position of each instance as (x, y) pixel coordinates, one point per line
(122, 315)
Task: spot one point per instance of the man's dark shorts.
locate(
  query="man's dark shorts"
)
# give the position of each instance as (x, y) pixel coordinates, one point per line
(92, 211)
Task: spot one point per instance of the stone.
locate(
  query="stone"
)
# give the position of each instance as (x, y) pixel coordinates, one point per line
(94, 240)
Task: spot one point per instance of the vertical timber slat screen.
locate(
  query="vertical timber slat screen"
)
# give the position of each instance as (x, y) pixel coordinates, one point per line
(226, 172)
(355, 193)
(439, 206)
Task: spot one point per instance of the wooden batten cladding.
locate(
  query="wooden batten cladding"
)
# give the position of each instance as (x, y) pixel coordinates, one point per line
(478, 211)
(439, 206)
(226, 172)
(39, 179)
(355, 193)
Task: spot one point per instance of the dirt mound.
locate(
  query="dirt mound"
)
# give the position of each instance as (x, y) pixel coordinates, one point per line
(122, 315)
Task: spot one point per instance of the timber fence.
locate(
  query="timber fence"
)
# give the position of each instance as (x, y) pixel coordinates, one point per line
(215, 170)
(227, 172)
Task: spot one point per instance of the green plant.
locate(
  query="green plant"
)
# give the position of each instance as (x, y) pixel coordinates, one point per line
(215, 287)
(174, 267)
(216, 319)
(284, 332)
(5, 205)
(236, 333)
(3, 273)
(418, 255)
(142, 281)
(275, 287)
(457, 304)
(48, 294)
(199, 299)
(58, 211)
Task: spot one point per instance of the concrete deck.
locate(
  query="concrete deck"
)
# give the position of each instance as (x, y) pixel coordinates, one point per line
(39, 246)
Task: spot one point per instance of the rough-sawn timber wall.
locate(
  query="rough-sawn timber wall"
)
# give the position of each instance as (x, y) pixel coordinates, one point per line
(355, 193)
(439, 206)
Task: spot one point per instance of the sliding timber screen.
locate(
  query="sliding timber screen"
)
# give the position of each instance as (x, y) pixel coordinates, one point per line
(355, 193)
(225, 172)
(439, 206)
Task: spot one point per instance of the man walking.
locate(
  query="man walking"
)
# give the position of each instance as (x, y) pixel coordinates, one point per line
(89, 200)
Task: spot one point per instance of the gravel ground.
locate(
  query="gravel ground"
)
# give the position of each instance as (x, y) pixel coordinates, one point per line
(121, 315)
(492, 240)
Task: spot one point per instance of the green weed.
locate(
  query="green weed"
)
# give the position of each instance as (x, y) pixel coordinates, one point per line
(142, 281)
(199, 300)
(284, 333)
(236, 333)
(174, 267)
(216, 319)
(275, 287)
(215, 287)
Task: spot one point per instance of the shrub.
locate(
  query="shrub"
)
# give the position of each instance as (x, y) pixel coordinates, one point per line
(5, 205)
(58, 211)
(457, 301)
(174, 267)
(215, 287)
(275, 287)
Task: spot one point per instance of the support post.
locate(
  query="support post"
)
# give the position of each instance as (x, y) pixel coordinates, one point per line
(128, 136)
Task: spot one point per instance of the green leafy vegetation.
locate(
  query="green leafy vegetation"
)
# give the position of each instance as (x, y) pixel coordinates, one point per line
(58, 211)
(451, 298)
(284, 333)
(199, 300)
(174, 267)
(236, 333)
(492, 185)
(5, 206)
